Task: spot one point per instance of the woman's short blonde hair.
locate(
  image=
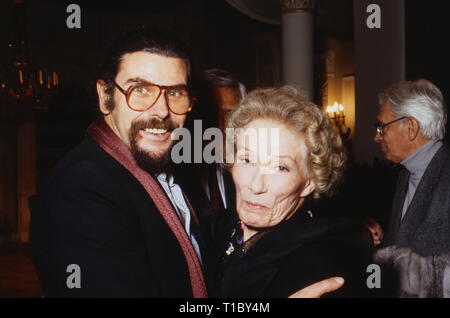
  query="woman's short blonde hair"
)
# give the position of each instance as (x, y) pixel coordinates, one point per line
(325, 154)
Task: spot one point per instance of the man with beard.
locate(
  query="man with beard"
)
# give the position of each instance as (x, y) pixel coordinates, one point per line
(110, 220)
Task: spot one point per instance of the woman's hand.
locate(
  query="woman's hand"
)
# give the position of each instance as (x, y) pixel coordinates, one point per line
(376, 231)
(318, 289)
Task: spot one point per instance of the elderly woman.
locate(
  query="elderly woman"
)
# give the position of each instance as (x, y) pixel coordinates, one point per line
(285, 152)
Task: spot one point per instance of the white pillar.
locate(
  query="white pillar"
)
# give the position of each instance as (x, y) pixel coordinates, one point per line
(298, 45)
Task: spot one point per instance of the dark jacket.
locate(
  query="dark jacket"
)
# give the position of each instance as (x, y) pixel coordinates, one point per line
(200, 174)
(93, 213)
(425, 228)
(290, 256)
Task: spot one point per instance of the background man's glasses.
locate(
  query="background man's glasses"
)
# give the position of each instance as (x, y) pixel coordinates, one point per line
(380, 126)
(142, 96)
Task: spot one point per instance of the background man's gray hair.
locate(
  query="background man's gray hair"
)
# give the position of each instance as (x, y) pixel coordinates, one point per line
(420, 99)
(221, 78)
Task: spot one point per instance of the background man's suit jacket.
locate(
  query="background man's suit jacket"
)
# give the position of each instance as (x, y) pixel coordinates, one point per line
(92, 212)
(425, 227)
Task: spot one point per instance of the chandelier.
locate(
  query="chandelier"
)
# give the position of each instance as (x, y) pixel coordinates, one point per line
(337, 117)
(21, 84)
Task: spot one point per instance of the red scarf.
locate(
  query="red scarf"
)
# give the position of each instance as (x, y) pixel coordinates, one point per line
(113, 145)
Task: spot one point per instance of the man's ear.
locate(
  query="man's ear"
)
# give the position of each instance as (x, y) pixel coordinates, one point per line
(309, 187)
(413, 128)
(102, 97)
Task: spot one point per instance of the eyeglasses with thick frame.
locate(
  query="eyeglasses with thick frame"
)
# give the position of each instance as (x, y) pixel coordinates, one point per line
(380, 127)
(127, 92)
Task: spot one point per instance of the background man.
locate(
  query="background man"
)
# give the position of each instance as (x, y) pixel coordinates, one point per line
(411, 124)
(227, 92)
(221, 93)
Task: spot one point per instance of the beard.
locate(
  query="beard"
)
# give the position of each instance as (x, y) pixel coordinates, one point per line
(151, 161)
